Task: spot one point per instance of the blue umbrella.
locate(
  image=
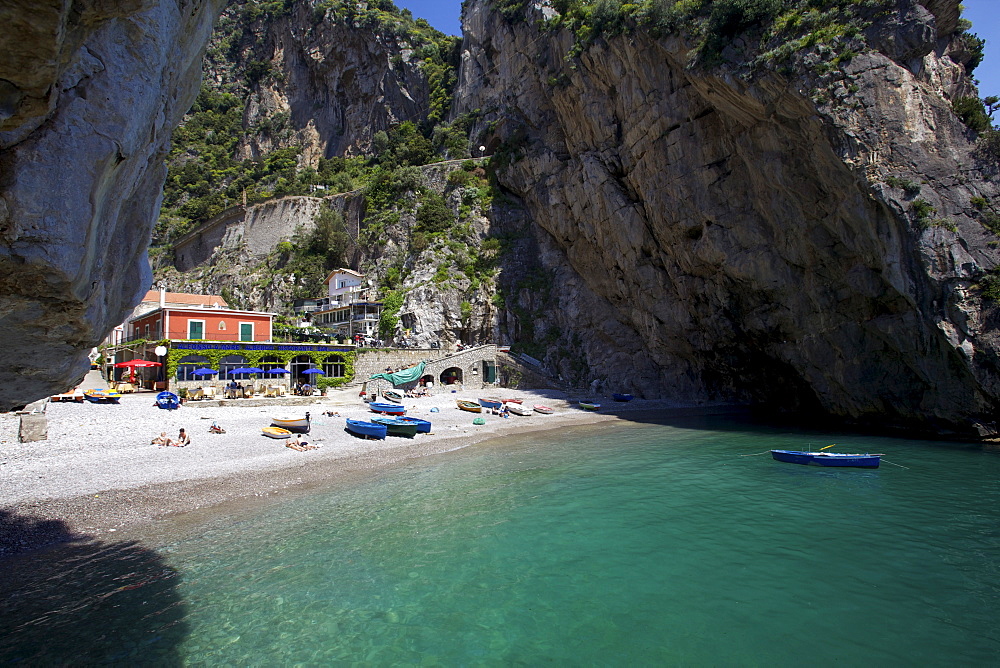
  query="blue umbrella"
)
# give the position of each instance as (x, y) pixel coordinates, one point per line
(313, 371)
(277, 370)
(250, 369)
(204, 372)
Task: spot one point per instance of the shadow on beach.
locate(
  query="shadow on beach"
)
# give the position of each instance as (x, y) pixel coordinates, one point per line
(84, 601)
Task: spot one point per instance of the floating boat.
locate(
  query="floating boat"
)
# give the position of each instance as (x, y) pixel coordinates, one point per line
(393, 395)
(588, 405)
(865, 461)
(617, 396)
(276, 432)
(388, 409)
(366, 429)
(423, 426)
(295, 423)
(470, 406)
(397, 426)
(545, 410)
(518, 409)
(495, 404)
(167, 401)
(101, 396)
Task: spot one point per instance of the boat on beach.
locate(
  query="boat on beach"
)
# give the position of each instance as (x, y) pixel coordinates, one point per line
(396, 426)
(544, 410)
(589, 405)
(101, 396)
(423, 426)
(470, 406)
(276, 432)
(865, 461)
(366, 429)
(393, 395)
(167, 401)
(619, 396)
(518, 409)
(515, 400)
(494, 404)
(295, 423)
(388, 409)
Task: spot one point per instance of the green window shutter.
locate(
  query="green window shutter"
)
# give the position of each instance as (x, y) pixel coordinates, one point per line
(196, 330)
(246, 331)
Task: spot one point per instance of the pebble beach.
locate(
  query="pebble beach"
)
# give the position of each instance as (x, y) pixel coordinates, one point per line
(98, 473)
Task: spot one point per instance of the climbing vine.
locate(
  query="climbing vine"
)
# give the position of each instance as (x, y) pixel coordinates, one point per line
(254, 357)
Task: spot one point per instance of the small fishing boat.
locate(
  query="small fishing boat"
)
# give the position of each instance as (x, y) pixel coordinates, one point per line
(397, 427)
(544, 410)
(388, 409)
(423, 426)
(865, 461)
(470, 406)
(393, 395)
(276, 432)
(518, 409)
(366, 429)
(100, 396)
(516, 400)
(618, 396)
(167, 401)
(589, 405)
(494, 404)
(295, 423)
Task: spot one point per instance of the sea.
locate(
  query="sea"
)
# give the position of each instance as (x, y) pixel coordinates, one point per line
(641, 542)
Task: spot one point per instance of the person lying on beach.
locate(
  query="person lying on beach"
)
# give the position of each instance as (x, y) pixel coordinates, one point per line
(161, 439)
(298, 444)
(331, 414)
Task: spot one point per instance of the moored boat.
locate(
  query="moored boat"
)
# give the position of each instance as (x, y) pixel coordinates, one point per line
(518, 409)
(588, 405)
(393, 395)
(470, 406)
(545, 410)
(276, 432)
(100, 396)
(619, 396)
(396, 426)
(294, 423)
(423, 426)
(389, 409)
(366, 429)
(494, 404)
(167, 401)
(865, 461)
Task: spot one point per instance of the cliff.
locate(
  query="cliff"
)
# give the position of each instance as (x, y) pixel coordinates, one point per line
(89, 94)
(802, 234)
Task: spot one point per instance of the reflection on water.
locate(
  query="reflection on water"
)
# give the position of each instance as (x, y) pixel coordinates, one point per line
(611, 544)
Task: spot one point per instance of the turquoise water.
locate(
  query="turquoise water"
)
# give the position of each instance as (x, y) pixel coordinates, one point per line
(624, 544)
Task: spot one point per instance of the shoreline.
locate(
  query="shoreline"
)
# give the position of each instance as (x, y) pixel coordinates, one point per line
(77, 486)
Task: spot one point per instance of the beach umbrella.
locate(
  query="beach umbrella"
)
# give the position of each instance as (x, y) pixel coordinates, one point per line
(204, 372)
(278, 370)
(249, 369)
(313, 371)
(132, 365)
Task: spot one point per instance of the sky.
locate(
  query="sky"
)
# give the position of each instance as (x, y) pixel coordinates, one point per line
(445, 15)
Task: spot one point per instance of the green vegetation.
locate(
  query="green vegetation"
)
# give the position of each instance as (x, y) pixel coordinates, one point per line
(392, 301)
(312, 255)
(900, 183)
(922, 212)
(989, 285)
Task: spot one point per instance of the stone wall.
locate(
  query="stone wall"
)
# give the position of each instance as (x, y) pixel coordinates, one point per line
(470, 364)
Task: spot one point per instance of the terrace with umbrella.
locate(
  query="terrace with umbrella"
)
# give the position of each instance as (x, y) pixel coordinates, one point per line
(132, 365)
(306, 388)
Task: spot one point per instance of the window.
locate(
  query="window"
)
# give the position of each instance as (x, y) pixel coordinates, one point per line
(246, 331)
(196, 329)
(333, 366)
(147, 330)
(187, 365)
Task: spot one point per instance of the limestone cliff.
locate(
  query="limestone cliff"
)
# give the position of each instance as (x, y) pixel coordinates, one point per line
(89, 94)
(802, 236)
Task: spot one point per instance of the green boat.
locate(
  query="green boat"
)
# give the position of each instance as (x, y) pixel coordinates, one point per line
(397, 427)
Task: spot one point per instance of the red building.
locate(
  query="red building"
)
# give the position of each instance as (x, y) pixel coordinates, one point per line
(193, 323)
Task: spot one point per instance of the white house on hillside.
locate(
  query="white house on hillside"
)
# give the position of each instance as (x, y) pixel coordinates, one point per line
(349, 312)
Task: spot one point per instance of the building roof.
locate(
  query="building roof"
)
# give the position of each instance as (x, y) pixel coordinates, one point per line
(351, 272)
(186, 298)
(216, 312)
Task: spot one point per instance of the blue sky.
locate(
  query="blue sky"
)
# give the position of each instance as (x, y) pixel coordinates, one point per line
(445, 15)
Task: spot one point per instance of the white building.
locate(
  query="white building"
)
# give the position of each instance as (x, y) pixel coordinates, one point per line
(349, 312)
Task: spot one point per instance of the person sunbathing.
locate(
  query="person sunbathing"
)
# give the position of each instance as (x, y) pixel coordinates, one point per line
(182, 439)
(298, 444)
(161, 439)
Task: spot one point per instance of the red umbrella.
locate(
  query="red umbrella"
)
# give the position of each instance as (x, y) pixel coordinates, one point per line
(135, 364)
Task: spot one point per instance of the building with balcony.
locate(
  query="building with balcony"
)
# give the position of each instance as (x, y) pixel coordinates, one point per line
(349, 311)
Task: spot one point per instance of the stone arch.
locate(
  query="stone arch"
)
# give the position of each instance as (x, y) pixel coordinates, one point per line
(451, 375)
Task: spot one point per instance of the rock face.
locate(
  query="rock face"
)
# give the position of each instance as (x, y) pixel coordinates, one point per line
(713, 238)
(87, 105)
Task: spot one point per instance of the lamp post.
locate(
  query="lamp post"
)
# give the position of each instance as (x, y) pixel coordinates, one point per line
(160, 352)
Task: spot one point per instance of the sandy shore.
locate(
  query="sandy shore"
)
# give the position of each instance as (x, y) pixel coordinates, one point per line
(98, 473)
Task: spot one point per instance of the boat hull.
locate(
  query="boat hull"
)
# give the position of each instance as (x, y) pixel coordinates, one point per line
(469, 406)
(588, 406)
(294, 423)
(167, 401)
(276, 432)
(397, 427)
(423, 426)
(366, 429)
(864, 461)
(101, 396)
(518, 409)
(495, 404)
(393, 396)
(544, 410)
(390, 409)
(622, 397)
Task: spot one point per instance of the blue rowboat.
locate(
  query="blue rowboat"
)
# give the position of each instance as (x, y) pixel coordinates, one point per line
(491, 403)
(389, 409)
(423, 426)
(167, 401)
(397, 427)
(865, 461)
(366, 429)
(622, 397)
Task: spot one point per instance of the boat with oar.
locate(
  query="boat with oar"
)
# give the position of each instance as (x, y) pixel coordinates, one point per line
(396, 426)
(820, 458)
(492, 404)
(101, 396)
(276, 432)
(295, 423)
(621, 396)
(393, 395)
(366, 429)
(423, 426)
(388, 409)
(167, 401)
(470, 406)
(544, 410)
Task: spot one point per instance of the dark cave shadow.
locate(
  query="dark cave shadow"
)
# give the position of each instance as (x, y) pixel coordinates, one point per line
(83, 601)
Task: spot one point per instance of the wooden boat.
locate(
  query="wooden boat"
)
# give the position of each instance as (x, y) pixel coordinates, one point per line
(294, 423)
(495, 404)
(276, 432)
(98, 396)
(518, 409)
(366, 429)
(516, 400)
(588, 405)
(470, 406)
(865, 461)
(393, 395)
(545, 410)
(74, 395)
(396, 426)
(423, 426)
(618, 396)
(167, 401)
(388, 409)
